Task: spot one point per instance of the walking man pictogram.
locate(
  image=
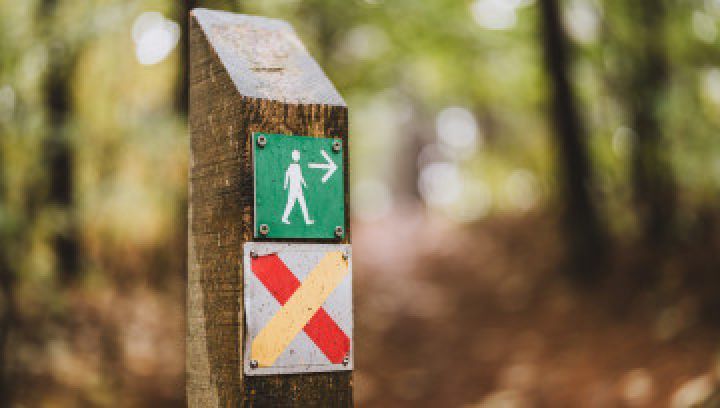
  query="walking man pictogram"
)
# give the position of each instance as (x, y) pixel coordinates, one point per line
(295, 181)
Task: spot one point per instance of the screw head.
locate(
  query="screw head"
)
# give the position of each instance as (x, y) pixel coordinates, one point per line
(264, 229)
(253, 254)
(261, 141)
(345, 256)
(337, 145)
(253, 364)
(339, 231)
(346, 360)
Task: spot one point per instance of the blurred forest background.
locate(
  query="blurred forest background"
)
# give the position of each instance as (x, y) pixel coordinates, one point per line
(534, 193)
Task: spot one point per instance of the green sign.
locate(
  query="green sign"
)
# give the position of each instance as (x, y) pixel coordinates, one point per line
(299, 187)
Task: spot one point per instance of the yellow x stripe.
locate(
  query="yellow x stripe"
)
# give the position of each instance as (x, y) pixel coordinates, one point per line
(274, 338)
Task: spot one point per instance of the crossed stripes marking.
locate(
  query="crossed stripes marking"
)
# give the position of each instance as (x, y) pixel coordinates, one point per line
(301, 308)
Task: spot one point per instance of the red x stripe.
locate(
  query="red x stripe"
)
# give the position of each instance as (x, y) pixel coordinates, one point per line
(321, 328)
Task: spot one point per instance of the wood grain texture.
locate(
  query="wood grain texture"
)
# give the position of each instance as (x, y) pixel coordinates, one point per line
(222, 120)
(265, 59)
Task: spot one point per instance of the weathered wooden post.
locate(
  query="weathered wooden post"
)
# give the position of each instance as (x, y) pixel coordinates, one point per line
(269, 284)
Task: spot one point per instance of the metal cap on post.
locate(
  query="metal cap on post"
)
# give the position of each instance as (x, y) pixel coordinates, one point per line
(250, 75)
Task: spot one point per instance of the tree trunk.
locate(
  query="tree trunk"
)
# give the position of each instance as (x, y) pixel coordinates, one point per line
(7, 302)
(182, 10)
(583, 233)
(59, 155)
(60, 160)
(7, 319)
(652, 178)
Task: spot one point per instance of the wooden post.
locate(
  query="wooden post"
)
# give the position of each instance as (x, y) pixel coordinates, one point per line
(247, 74)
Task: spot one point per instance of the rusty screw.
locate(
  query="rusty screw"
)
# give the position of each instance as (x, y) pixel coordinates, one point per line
(337, 145)
(339, 231)
(345, 256)
(264, 229)
(261, 141)
(253, 364)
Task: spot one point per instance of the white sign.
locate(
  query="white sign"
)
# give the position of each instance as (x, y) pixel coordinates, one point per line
(298, 308)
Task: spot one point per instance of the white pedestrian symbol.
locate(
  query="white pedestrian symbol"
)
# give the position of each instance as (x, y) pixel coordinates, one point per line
(295, 181)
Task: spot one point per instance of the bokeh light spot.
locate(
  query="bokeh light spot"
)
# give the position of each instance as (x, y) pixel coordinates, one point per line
(155, 37)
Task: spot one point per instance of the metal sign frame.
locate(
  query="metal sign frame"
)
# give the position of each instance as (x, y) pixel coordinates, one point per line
(307, 351)
(299, 187)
